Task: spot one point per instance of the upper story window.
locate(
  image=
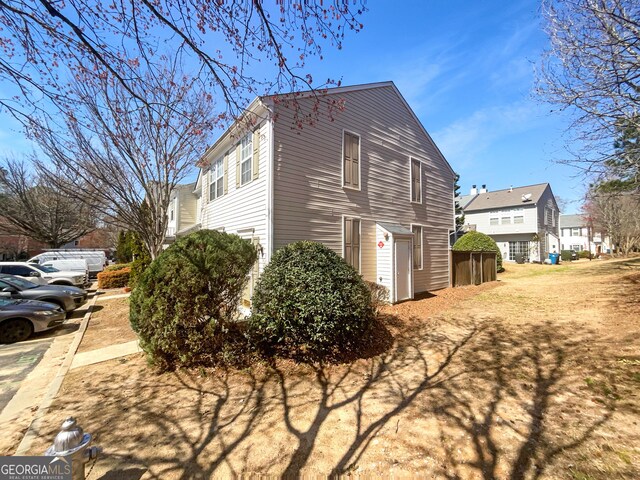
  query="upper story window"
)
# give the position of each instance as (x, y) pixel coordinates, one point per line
(506, 220)
(351, 160)
(216, 179)
(171, 212)
(246, 159)
(518, 219)
(494, 221)
(416, 181)
(417, 246)
(575, 232)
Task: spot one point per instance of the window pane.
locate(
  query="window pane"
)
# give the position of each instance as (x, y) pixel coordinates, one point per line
(506, 220)
(518, 219)
(493, 221)
(350, 159)
(415, 181)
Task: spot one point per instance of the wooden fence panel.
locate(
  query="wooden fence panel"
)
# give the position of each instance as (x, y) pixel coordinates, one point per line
(472, 268)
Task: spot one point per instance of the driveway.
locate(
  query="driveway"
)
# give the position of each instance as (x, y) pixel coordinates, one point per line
(26, 371)
(18, 360)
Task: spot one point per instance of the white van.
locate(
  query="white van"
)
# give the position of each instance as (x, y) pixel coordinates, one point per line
(70, 265)
(96, 259)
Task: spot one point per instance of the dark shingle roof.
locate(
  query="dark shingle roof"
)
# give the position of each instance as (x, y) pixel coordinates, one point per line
(506, 198)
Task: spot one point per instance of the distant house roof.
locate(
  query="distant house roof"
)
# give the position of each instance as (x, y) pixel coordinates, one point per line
(568, 221)
(464, 200)
(506, 198)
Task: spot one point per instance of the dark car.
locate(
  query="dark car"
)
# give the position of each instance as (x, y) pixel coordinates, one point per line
(68, 298)
(574, 255)
(20, 318)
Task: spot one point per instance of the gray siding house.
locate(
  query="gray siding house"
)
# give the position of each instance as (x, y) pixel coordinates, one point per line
(522, 220)
(370, 184)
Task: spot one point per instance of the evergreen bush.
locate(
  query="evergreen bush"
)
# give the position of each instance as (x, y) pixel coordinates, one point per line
(309, 302)
(479, 242)
(185, 302)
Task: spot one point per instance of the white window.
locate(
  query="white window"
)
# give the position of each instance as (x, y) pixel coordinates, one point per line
(577, 248)
(506, 220)
(416, 181)
(216, 179)
(351, 242)
(575, 232)
(417, 246)
(350, 160)
(246, 159)
(494, 221)
(518, 219)
(519, 249)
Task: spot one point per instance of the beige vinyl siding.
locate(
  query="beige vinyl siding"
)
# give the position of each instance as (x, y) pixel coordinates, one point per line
(310, 201)
(187, 204)
(243, 209)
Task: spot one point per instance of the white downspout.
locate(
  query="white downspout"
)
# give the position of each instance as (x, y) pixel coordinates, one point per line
(270, 187)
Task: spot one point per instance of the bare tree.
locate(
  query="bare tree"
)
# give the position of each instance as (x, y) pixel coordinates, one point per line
(593, 68)
(618, 214)
(127, 152)
(46, 44)
(39, 207)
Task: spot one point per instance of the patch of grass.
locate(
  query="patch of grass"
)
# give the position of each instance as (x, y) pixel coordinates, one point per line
(601, 387)
(624, 456)
(578, 475)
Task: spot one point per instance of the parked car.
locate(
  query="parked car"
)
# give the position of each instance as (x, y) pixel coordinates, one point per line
(96, 259)
(574, 255)
(20, 318)
(68, 298)
(43, 275)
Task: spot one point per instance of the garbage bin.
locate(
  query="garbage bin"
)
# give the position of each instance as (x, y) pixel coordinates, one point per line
(554, 258)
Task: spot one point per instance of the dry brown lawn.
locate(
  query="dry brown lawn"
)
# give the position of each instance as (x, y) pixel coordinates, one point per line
(109, 324)
(535, 376)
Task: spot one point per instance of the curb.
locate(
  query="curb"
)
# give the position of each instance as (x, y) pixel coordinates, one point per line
(54, 388)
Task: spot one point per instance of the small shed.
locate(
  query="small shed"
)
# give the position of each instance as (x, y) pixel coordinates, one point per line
(395, 260)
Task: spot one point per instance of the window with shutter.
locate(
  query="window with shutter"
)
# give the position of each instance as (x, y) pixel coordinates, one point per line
(416, 181)
(351, 160)
(352, 242)
(246, 159)
(216, 179)
(417, 246)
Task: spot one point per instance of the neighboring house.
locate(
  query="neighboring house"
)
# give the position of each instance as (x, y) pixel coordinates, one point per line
(102, 238)
(185, 210)
(370, 184)
(522, 220)
(576, 234)
(19, 247)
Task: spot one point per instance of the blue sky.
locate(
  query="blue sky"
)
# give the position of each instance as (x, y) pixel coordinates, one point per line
(467, 70)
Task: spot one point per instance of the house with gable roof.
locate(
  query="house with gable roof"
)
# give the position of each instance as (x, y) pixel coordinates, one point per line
(369, 183)
(523, 221)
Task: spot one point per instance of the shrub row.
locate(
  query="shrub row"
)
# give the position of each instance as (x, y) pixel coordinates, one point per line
(308, 302)
(116, 267)
(114, 278)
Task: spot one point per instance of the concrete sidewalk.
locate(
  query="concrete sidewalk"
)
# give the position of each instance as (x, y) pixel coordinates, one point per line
(106, 353)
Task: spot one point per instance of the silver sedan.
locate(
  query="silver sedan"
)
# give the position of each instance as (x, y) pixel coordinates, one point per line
(20, 318)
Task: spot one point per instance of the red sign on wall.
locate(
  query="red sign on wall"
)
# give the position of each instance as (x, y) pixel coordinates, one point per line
(380, 244)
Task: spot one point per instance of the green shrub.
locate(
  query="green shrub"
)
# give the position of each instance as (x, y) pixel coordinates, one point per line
(185, 302)
(565, 255)
(584, 254)
(114, 278)
(116, 267)
(479, 242)
(309, 302)
(141, 259)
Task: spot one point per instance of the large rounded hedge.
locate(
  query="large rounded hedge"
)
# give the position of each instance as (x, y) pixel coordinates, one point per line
(310, 301)
(184, 301)
(479, 242)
